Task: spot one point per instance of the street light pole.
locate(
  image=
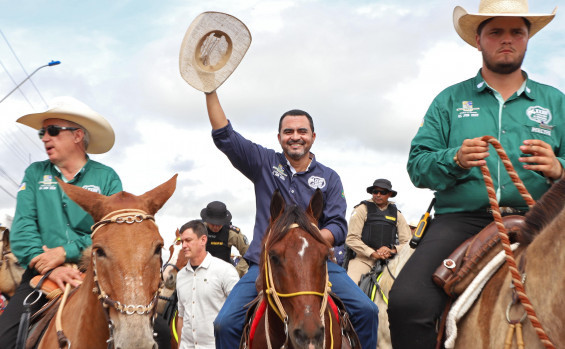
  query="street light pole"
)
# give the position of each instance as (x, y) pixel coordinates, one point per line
(52, 63)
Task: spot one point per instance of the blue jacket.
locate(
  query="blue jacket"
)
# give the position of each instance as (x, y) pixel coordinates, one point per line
(270, 170)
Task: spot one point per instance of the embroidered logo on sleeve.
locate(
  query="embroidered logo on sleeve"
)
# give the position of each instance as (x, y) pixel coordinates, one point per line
(92, 188)
(316, 182)
(22, 186)
(539, 114)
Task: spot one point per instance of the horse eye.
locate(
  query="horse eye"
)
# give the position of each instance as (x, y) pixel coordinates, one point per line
(274, 259)
(158, 249)
(100, 252)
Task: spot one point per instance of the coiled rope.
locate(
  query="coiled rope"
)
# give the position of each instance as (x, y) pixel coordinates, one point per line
(503, 233)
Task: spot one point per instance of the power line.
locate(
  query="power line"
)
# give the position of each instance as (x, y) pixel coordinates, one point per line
(21, 65)
(15, 83)
(9, 177)
(7, 192)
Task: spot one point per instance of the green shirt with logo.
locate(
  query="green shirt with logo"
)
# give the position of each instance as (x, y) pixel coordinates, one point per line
(472, 109)
(46, 216)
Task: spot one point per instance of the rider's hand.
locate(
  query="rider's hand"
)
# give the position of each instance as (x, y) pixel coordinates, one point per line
(64, 275)
(542, 158)
(49, 259)
(382, 253)
(473, 153)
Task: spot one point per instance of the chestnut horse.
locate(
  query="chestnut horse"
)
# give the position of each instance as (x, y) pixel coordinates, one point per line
(10, 270)
(541, 256)
(294, 279)
(116, 302)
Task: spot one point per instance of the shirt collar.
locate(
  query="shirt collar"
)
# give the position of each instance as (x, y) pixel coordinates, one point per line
(481, 85)
(76, 176)
(205, 263)
(293, 170)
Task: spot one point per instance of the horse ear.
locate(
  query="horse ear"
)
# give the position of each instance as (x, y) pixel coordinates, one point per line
(277, 205)
(157, 197)
(316, 206)
(90, 201)
(177, 233)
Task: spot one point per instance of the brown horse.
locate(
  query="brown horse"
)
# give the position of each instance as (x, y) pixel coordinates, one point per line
(116, 302)
(10, 270)
(541, 257)
(294, 279)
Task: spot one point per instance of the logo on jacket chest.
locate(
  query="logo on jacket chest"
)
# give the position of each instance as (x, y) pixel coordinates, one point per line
(539, 114)
(316, 182)
(278, 171)
(467, 110)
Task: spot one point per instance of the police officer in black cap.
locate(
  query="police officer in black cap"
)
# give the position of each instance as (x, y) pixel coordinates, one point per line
(222, 235)
(376, 231)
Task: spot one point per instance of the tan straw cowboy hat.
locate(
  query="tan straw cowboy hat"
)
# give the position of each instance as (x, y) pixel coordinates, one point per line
(466, 24)
(67, 108)
(212, 48)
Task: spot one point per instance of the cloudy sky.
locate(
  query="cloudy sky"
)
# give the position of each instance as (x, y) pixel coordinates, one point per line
(365, 70)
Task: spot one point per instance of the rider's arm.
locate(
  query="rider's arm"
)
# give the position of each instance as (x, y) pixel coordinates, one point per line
(404, 232)
(356, 223)
(179, 328)
(25, 238)
(215, 112)
(333, 216)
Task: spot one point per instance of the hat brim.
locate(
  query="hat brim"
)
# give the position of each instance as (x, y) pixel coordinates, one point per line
(102, 135)
(225, 55)
(466, 24)
(215, 221)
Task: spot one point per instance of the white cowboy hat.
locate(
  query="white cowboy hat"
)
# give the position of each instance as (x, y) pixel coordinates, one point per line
(67, 108)
(212, 48)
(466, 24)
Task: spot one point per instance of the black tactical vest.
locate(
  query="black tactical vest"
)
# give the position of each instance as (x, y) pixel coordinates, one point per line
(380, 226)
(217, 243)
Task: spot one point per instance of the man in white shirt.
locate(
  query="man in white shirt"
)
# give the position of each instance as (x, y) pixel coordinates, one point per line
(202, 287)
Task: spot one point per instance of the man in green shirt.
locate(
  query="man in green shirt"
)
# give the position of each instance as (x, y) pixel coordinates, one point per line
(49, 229)
(528, 119)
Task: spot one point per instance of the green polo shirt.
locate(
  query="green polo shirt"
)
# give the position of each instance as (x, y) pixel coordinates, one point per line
(472, 109)
(46, 216)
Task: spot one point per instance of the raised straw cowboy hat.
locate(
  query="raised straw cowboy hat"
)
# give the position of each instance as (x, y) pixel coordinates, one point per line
(212, 48)
(67, 108)
(466, 24)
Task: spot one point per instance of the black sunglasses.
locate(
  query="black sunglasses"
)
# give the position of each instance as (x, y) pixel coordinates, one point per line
(382, 192)
(54, 130)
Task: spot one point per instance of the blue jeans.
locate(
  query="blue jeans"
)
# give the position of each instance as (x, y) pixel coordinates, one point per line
(364, 314)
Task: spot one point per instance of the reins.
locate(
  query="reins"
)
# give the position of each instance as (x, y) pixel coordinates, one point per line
(273, 295)
(503, 233)
(128, 216)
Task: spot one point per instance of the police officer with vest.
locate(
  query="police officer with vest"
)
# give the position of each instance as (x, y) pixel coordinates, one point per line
(377, 230)
(222, 235)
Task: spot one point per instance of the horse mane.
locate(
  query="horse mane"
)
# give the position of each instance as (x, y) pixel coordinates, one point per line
(544, 212)
(292, 214)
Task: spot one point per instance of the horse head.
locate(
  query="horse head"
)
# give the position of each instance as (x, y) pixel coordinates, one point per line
(124, 271)
(294, 274)
(170, 268)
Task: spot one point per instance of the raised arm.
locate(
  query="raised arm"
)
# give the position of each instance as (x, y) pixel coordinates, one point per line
(215, 112)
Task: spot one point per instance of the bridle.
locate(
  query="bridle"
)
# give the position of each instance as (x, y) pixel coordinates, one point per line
(273, 297)
(128, 216)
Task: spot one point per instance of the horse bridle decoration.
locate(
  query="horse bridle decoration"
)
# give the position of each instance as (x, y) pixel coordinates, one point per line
(277, 306)
(128, 216)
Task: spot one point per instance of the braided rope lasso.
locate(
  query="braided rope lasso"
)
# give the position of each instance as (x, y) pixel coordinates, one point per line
(503, 233)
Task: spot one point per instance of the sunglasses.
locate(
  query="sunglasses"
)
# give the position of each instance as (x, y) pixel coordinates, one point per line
(382, 192)
(54, 130)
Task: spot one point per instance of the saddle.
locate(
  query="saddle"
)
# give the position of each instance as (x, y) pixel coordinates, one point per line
(461, 267)
(257, 308)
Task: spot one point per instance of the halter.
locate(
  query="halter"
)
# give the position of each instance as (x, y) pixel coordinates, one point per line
(272, 294)
(128, 216)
